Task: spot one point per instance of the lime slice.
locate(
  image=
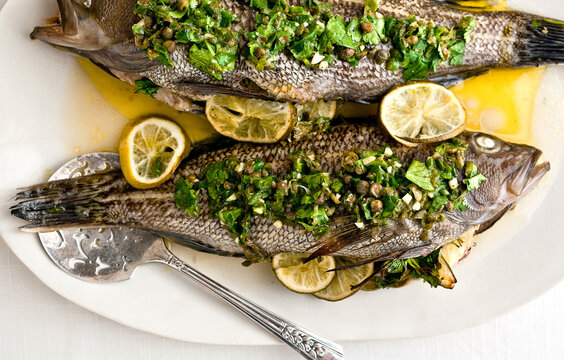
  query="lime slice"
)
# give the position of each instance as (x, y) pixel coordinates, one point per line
(340, 287)
(308, 114)
(422, 112)
(150, 150)
(303, 278)
(251, 120)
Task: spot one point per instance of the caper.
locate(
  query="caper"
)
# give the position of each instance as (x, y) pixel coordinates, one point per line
(376, 205)
(181, 4)
(348, 179)
(380, 55)
(424, 235)
(170, 46)
(366, 27)
(228, 185)
(412, 40)
(191, 178)
(168, 33)
(361, 54)
(449, 206)
(346, 53)
(320, 200)
(259, 52)
(282, 185)
(459, 160)
(348, 159)
(362, 187)
(147, 21)
(437, 156)
(375, 189)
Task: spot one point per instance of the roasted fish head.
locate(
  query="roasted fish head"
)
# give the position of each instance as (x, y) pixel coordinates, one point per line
(512, 170)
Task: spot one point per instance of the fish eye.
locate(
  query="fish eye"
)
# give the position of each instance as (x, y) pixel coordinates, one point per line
(487, 143)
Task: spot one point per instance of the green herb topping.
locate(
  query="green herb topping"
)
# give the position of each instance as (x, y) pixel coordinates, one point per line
(310, 33)
(204, 26)
(147, 87)
(372, 186)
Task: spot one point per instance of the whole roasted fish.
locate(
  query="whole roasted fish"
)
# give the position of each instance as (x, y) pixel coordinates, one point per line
(101, 30)
(511, 171)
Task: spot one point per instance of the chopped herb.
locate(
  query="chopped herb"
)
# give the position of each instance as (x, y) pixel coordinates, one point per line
(372, 186)
(420, 175)
(310, 32)
(147, 87)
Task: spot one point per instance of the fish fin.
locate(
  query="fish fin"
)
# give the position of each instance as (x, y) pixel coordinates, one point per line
(348, 234)
(448, 80)
(471, 5)
(67, 204)
(193, 243)
(202, 91)
(542, 42)
(488, 224)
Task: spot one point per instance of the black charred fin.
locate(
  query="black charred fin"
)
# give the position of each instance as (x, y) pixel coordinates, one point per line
(66, 203)
(542, 42)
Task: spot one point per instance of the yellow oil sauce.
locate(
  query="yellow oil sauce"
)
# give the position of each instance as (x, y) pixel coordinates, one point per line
(500, 102)
(135, 106)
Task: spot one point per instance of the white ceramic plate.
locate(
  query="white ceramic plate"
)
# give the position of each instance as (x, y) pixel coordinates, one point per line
(50, 113)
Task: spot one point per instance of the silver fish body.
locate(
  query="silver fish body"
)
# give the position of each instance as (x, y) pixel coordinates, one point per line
(102, 32)
(512, 171)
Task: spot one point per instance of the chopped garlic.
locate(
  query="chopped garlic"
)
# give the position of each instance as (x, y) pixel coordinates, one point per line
(233, 197)
(360, 225)
(368, 160)
(388, 151)
(407, 198)
(453, 184)
(277, 224)
(323, 65)
(317, 58)
(416, 206)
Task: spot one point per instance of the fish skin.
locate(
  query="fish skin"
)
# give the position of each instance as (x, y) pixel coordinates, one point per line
(108, 199)
(501, 39)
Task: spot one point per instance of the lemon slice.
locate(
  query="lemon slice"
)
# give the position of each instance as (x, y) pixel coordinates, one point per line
(252, 120)
(422, 112)
(340, 287)
(303, 278)
(150, 150)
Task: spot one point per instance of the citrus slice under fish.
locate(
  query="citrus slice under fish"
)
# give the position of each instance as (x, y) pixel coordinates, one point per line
(253, 120)
(305, 278)
(150, 150)
(340, 287)
(422, 112)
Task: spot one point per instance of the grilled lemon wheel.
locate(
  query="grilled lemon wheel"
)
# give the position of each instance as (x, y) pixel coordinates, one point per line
(340, 287)
(252, 120)
(422, 112)
(303, 278)
(150, 150)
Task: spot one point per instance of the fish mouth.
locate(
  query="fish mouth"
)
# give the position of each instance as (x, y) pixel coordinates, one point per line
(528, 175)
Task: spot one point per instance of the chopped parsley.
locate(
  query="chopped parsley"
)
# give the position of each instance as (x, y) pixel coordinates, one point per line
(201, 25)
(310, 33)
(372, 186)
(147, 87)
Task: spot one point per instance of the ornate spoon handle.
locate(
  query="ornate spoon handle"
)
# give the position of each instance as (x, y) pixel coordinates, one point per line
(308, 344)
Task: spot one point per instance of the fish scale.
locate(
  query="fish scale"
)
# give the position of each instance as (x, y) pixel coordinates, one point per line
(511, 170)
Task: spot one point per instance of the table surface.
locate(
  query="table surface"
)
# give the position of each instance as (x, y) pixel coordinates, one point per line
(36, 323)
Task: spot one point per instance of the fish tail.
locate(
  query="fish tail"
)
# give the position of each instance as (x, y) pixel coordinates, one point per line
(542, 42)
(71, 203)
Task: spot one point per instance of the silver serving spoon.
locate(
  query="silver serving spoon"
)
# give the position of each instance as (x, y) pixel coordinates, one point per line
(113, 253)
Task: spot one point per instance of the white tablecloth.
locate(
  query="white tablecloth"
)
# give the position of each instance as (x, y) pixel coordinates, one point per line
(36, 323)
